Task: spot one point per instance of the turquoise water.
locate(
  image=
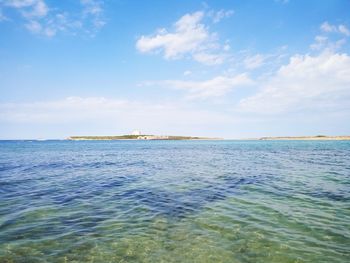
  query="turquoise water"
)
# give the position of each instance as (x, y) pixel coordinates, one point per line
(174, 201)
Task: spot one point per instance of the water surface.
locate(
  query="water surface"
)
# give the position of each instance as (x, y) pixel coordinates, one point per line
(174, 201)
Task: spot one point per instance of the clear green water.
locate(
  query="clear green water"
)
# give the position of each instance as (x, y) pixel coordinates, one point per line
(175, 201)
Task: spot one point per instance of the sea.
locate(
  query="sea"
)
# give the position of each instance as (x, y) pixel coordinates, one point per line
(175, 201)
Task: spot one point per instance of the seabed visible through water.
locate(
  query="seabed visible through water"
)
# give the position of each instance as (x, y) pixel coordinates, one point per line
(174, 201)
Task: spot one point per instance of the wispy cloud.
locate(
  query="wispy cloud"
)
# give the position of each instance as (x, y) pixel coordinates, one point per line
(75, 108)
(327, 27)
(217, 16)
(282, 1)
(39, 18)
(2, 16)
(29, 8)
(326, 40)
(207, 58)
(190, 37)
(187, 72)
(93, 10)
(60, 22)
(206, 89)
(255, 61)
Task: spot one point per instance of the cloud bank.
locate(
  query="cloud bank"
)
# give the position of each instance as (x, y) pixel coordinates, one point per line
(306, 82)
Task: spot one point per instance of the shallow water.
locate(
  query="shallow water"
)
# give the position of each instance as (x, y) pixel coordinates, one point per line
(174, 201)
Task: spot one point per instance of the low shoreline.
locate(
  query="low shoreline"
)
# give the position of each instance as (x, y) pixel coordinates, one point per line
(306, 138)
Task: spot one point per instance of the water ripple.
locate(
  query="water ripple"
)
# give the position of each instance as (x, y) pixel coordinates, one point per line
(185, 201)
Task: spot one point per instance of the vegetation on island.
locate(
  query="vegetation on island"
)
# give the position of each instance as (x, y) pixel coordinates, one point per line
(138, 137)
(120, 137)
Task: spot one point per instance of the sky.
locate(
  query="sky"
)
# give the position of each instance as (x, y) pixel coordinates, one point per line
(221, 68)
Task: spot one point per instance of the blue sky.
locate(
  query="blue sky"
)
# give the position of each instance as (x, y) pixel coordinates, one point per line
(232, 69)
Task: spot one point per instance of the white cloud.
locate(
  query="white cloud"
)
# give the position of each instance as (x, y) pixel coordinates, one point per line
(187, 73)
(29, 8)
(190, 37)
(255, 61)
(20, 3)
(91, 7)
(57, 23)
(326, 27)
(227, 47)
(2, 16)
(326, 41)
(40, 19)
(221, 14)
(34, 27)
(320, 42)
(344, 30)
(282, 1)
(306, 82)
(208, 58)
(94, 10)
(40, 9)
(215, 87)
(329, 28)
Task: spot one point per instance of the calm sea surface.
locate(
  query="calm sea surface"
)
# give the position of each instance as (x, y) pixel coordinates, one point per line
(174, 201)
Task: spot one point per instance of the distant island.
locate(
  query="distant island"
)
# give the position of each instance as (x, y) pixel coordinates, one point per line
(307, 138)
(138, 137)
